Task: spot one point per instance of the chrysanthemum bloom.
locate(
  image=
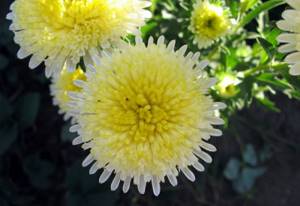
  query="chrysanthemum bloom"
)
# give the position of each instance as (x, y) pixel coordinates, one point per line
(63, 83)
(145, 115)
(291, 24)
(63, 31)
(209, 22)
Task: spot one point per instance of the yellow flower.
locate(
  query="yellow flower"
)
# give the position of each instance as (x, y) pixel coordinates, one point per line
(227, 86)
(291, 38)
(62, 84)
(209, 22)
(63, 31)
(145, 115)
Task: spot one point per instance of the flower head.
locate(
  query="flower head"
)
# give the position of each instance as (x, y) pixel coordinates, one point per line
(62, 84)
(291, 38)
(209, 22)
(227, 86)
(63, 31)
(145, 115)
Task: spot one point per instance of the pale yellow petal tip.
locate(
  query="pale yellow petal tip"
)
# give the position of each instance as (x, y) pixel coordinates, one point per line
(209, 22)
(145, 115)
(62, 32)
(290, 37)
(62, 85)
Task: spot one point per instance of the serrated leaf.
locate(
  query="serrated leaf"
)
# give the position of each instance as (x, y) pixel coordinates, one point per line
(258, 10)
(268, 47)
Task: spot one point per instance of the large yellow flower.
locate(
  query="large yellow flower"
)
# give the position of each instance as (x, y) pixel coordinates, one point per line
(145, 115)
(291, 24)
(209, 22)
(63, 31)
(63, 83)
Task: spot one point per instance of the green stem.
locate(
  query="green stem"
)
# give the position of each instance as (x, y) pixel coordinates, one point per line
(277, 66)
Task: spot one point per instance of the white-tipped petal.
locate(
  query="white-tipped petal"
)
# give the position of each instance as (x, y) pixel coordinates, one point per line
(87, 161)
(77, 141)
(161, 40)
(208, 147)
(172, 179)
(198, 166)
(126, 184)
(204, 156)
(104, 176)
(74, 128)
(155, 185)
(142, 185)
(189, 174)
(94, 168)
(115, 183)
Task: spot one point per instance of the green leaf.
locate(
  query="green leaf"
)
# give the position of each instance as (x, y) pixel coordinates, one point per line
(249, 155)
(232, 169)
(270, 79)
(8, 135)
(28, 107)
(6, 109)
(258, 10)
(268, 104)
(247, 4)
(267, 46)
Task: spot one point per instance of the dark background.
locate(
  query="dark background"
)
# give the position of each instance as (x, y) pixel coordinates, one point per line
(257, 163)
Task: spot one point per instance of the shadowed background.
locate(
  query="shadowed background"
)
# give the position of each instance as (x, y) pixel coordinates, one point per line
(257, 162)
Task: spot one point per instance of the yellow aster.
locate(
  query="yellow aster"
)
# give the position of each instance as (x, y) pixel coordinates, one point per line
(291, 38)
(145, 115)
(209, 22)
(62, 84)
(63, 31)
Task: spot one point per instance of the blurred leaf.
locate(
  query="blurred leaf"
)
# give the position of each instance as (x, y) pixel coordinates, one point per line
(247, 179)
(268, 47)
(65, 134)
(28, 106)
(8, 135)
(232, 169)
(3, 62)
(247, 4)
(38, 171)
(268, 104)
(270, 79)
(259, 9)
(148, 28)
(6, 110)
(271, 36)
(249, 155)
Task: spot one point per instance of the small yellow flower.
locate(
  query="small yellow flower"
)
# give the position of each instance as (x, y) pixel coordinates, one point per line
(227, 86)
(209, 22)
(144, 114)
(63, 31)
(291, 38)
(62, 84)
